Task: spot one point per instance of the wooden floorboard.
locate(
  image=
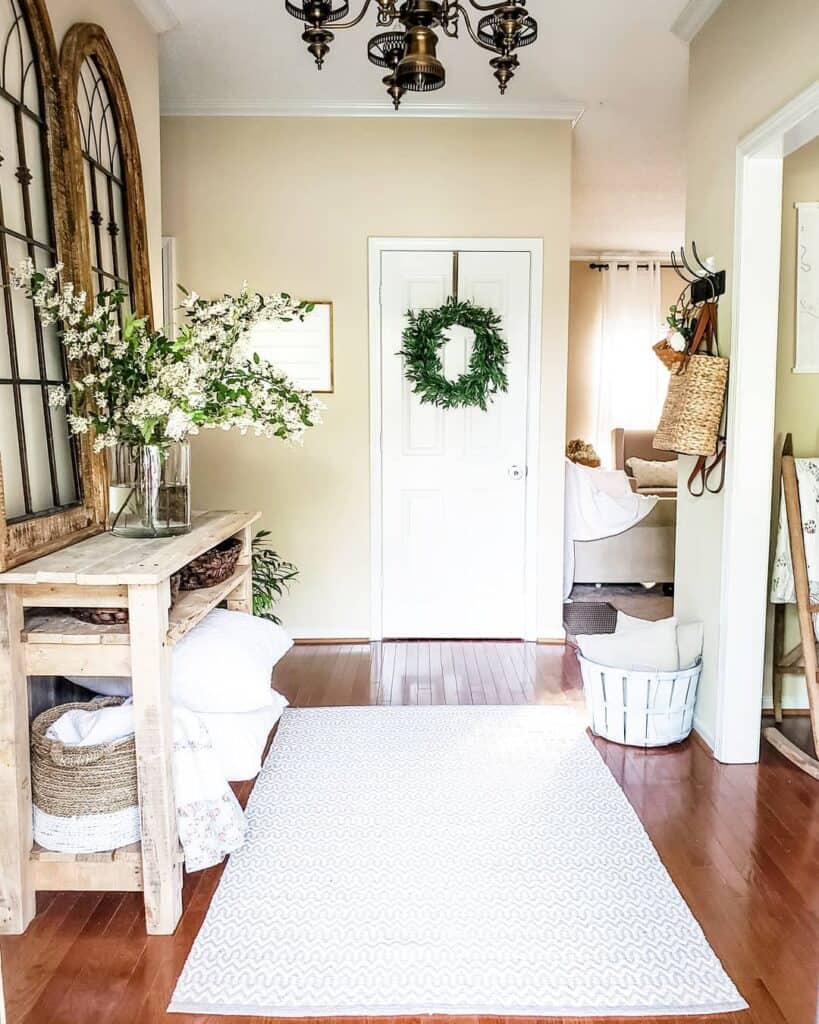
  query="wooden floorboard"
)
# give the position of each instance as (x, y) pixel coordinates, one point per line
(741, 842)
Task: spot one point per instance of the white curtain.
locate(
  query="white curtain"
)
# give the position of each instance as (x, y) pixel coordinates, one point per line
(633, 381)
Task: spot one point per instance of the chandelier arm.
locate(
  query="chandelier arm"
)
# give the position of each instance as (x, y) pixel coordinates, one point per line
(485, 7)
(357, 19)
(472, 33)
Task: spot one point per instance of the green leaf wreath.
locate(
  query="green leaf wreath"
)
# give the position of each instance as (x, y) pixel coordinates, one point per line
(422, 341)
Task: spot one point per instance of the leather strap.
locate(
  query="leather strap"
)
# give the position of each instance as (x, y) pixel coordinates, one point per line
(705, 335)
(699, 480)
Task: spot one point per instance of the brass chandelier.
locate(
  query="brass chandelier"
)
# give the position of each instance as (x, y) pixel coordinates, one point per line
(409, 54)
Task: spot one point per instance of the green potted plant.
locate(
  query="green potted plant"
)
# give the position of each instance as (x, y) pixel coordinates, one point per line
(272, 577)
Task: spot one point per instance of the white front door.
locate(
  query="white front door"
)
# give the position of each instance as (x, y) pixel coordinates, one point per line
(454, 480)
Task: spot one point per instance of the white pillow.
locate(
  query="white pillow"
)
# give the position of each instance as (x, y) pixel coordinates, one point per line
(650, 648)
(689, 636)
(106, 686)
(654, 474)
(239, 739)
(225, 663)
(689, 641)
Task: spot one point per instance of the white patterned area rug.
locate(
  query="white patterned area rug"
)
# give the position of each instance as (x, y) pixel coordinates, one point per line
(446, 860)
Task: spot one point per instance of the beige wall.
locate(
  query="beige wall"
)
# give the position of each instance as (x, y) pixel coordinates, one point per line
(137, 49)
(751, 58)
(585, 332)
(289, 204)
(797, 394)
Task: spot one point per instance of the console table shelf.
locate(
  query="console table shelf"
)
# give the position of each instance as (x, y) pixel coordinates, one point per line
(39, 637)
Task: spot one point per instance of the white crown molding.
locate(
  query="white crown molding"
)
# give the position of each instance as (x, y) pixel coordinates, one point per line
(159, 14)
(692, 18)
(554, 111)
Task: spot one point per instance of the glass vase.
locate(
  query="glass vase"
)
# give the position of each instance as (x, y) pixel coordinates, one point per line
(148, 490)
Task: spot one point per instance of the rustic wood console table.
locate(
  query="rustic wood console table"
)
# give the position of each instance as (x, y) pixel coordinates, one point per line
(39, 637)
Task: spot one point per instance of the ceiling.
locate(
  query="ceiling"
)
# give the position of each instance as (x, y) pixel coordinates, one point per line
(616, 61)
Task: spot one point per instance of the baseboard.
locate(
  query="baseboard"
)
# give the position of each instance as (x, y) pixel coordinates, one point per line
(705, 736)
(787, 712)
(329, 636)
(788, 704)
(318, 641)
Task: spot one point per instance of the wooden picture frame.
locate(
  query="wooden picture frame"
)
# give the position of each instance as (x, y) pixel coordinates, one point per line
(82, 42)
(42, 532)
(266, 348)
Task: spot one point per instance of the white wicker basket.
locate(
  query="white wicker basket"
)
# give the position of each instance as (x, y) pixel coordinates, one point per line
(640, 709)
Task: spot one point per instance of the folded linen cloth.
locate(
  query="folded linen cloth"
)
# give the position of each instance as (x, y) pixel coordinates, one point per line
(783, 590)
(210, 820)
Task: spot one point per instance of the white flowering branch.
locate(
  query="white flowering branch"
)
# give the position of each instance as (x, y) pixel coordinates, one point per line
(136, 386)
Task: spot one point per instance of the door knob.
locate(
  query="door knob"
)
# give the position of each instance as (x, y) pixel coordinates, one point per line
(517, 472)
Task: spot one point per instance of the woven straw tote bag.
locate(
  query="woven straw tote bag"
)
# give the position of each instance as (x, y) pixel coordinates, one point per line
(691, 417)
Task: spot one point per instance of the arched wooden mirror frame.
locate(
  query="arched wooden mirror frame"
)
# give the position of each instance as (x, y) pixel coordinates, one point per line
(25, 539)
(84, 41)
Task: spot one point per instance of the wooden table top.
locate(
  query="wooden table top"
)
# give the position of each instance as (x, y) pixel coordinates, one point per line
(106, 560)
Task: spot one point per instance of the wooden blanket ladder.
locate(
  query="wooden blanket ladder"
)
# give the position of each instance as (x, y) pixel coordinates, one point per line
(803, 657)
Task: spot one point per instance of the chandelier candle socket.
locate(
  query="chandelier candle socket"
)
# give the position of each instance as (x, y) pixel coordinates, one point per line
(411, 55)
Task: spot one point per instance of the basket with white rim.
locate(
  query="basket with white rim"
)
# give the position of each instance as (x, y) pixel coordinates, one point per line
(640, 708)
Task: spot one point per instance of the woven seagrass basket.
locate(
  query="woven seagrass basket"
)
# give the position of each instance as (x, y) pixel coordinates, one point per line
(85, 798)
(214, 566)
(693, 407)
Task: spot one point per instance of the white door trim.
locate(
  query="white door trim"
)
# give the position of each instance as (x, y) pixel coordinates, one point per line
(751, 403)
(533, 246)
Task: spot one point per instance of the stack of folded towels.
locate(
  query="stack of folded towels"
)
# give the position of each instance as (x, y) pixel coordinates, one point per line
(221, 670)
(639, 645)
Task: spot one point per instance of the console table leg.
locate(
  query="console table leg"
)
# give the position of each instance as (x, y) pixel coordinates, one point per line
(151, 677)
(17, 897)
(241, 599)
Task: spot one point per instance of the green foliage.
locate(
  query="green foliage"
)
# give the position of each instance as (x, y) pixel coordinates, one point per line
(272, 577)
(422, 341)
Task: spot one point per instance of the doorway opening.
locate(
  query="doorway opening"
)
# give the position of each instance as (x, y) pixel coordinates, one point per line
(618, 556)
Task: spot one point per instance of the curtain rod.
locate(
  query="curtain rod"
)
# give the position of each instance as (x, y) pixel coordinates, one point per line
(625, 266)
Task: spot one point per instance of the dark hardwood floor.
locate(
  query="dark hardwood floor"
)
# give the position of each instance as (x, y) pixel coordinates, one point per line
(742, 844)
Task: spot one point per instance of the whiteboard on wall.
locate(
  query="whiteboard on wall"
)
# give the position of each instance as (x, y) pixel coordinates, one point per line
(302, 349)
(807, 288)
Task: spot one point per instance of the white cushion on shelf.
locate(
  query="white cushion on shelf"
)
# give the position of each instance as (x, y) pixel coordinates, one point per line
(239, 739)
(223, 665)
(106, 686)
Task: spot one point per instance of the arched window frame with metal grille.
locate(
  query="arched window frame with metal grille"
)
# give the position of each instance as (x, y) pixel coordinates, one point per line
(42, 526)
(92, 82)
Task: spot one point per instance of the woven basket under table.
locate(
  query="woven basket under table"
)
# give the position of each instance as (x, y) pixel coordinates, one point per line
(85, 798)
(211, 567)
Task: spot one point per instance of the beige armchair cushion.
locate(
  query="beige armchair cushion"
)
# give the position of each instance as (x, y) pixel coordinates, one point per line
(651, 473)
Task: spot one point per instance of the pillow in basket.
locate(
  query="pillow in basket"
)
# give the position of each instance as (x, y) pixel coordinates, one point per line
(225, 663)
(652, 648)
(648, 473)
